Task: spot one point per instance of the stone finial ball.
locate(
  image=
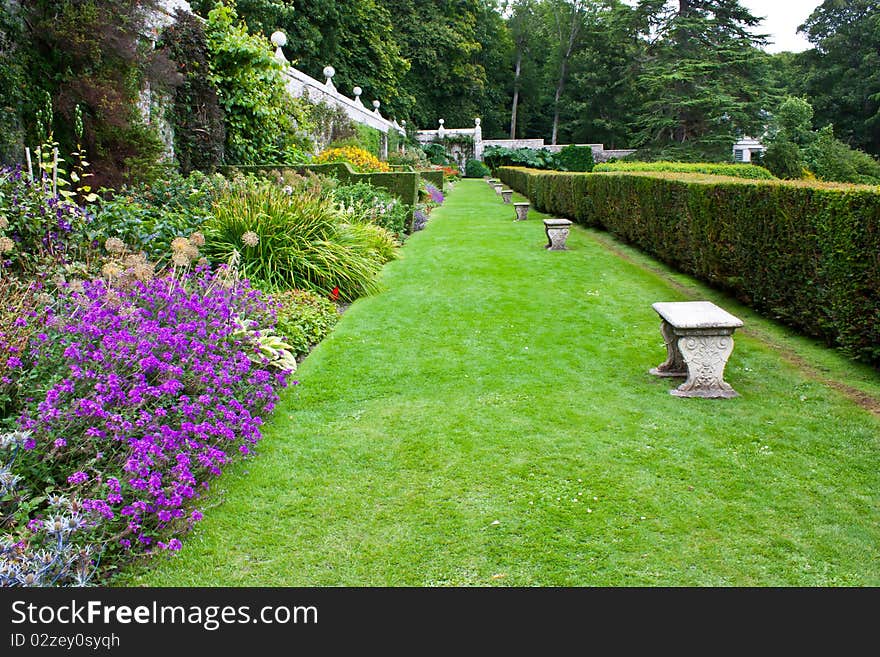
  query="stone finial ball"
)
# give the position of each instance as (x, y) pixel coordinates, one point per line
(477, 121)
(376, 104)
(279, 38)
(357, 91)
(329, 71)
(441, 121)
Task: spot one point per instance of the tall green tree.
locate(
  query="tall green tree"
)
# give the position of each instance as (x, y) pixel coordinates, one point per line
(603, 99)
(441, 40)
(522, 18)
(568, 18)
(843, 71)
(703, 74)
(356, 38)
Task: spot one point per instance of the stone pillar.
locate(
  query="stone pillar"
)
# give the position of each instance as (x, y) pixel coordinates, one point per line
(478, 140)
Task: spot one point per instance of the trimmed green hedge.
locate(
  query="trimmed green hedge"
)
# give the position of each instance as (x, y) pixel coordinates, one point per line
(750, 171)
(808, 255)
(434, 177)
(402, 184)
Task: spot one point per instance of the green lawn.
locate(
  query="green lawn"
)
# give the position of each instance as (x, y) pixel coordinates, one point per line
(489, 420)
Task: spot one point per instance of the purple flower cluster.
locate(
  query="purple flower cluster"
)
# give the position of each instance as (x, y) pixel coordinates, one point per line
(435, 194)
(154, 395)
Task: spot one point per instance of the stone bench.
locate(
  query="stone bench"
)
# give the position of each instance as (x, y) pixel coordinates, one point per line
(699, 340)
(498, 187)
(507, 195)
(557, 233)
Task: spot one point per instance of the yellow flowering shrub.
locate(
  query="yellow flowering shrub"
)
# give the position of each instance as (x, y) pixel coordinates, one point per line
(359, 159)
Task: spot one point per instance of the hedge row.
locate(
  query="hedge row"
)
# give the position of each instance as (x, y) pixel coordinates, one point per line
(750, 171)
(806, 255)
(433, 176)
(402, 184)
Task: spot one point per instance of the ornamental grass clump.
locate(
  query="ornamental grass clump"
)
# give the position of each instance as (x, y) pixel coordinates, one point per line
(296, 240)
(132, 398)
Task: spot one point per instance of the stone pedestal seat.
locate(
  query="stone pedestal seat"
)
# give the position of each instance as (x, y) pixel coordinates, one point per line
(699, 340)
(522, 211)
(557, 232)
(507, 195)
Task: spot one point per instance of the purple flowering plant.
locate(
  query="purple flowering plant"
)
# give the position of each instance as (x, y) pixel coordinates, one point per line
(434, 194)
(133, 398)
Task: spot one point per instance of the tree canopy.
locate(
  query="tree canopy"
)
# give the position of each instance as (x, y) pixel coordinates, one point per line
(676, 78)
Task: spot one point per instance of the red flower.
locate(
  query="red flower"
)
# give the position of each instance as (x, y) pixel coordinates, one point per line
(334, 293)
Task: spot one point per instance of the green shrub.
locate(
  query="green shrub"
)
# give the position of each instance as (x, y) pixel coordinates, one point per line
(805, 254)
(783, 159)
(264, 123)
(476, 169)
(369, 204)
(283, 240)
(414, 158)
(364, 137)
(402, 184)
(749, 171)
(433, 177)
(832, 160)
(534, 158)
(574, 158)
(304, 318)
(148, 217)
(435, 153)
(369, 139)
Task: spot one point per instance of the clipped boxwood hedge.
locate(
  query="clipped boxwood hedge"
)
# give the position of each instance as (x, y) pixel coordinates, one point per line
(750, 171)
(808, 255)
(433, 176)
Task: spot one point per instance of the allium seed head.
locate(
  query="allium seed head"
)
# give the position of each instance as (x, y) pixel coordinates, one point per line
(250, 238)
(114, 245)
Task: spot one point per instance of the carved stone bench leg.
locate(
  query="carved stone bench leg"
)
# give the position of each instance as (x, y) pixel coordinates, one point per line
(675, 364)
(706, 356)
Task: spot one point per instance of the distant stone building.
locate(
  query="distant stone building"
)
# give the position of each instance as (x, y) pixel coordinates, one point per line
(745, 148)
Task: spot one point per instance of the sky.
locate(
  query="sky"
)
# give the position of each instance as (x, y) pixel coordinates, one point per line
(781, 21)
(782, 18)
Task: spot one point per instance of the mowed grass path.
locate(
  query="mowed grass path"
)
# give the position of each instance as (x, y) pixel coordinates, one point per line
(489, 420)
